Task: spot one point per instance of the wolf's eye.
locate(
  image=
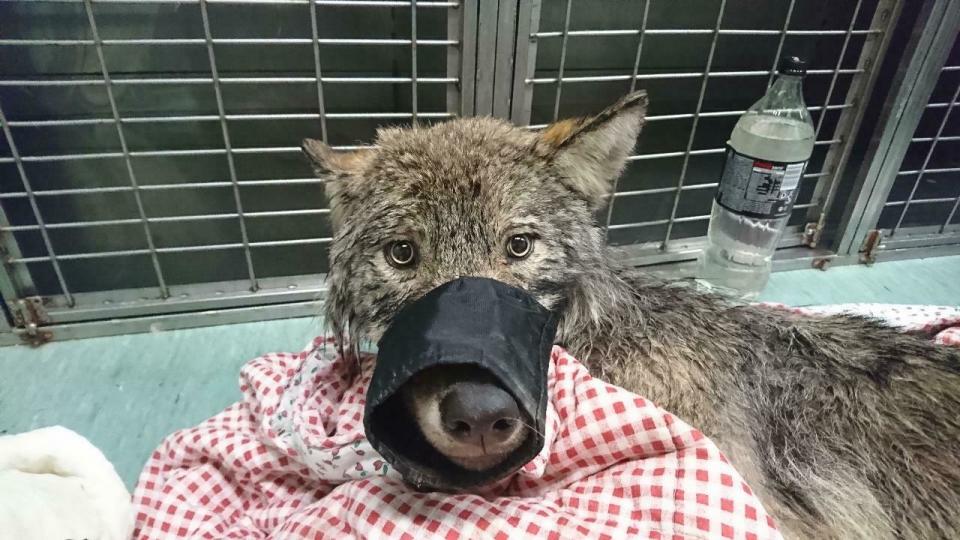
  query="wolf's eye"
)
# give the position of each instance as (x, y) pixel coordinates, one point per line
(519, 246)
(401, 254)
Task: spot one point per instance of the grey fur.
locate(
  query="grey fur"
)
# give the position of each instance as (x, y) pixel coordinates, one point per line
(845, 428)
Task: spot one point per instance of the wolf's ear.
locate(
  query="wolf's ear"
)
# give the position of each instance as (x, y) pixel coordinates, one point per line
(592, 152)
(329, 164)
(338, 170)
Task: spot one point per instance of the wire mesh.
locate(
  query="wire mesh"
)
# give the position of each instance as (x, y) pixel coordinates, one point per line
(151, 150)
(183, 120)
(41, 225)
(148, 235)
(926, 193)
(695, 63)
(693, 129)
(231, 164)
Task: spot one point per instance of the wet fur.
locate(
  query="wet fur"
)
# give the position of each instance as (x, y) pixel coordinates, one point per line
(846, 428)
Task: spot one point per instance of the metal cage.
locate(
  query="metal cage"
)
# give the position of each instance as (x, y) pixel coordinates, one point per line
(909, 191)
(703, 66)
(150, 174)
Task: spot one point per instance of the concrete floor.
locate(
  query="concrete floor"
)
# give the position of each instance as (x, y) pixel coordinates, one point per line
(126, 393)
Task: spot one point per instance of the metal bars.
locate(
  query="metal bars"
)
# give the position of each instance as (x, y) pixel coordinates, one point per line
(52, 256)
(262, 216)
(563, 60)
(159, 187)
(875, 38)
(462, 59)
(296, 149)
(226, 143)
(504, 59)
(678, 75)
(15, 279)
(710, 114)
(491, 68)
(884, 19)
(783, 38)
(496, 44)
(231, 41)
(836, 70)
(352, 3)
(923, 170)
(462, 62)
(128, 162)
(229, 117)
(315, 39)
(934, 34)
(486, 57)
(176, 249)
(832, 184)
(224, 81)
(413, 61)
(953, 212)
(633, 86)
(693, 129)
(636, 59)
(163, 219)
(700, 31)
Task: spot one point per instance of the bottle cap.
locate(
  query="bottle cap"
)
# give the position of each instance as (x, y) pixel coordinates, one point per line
(792, 65)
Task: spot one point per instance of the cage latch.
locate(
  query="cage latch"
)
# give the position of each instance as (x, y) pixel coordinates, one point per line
(811, 234)
(29, 317)
(871, 245)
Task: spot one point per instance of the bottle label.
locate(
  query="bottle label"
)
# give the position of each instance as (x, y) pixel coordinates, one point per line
(758, 188)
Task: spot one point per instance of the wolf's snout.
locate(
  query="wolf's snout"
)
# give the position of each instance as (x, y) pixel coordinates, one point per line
(467, 364)
(467, 415)
(480, 414)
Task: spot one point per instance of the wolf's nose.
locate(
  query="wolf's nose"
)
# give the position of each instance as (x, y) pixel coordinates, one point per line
(481, 414)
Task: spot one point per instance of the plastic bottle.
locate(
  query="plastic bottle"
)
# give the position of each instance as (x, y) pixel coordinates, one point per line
(766, 156)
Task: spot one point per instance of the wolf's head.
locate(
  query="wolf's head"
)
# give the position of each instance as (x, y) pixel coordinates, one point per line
(470, 197)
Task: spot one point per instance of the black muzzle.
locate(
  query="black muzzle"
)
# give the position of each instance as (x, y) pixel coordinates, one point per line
(476, 322)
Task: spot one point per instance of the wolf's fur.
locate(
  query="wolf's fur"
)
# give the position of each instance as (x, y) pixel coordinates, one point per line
(846, 428)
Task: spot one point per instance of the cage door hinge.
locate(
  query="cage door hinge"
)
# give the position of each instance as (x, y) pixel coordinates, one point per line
(29, 316)
(811, 234)
(871, 244)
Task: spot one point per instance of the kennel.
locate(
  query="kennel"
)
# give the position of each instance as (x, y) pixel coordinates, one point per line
(150, 174)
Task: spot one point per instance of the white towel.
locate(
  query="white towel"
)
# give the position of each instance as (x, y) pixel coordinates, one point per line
(55, 485)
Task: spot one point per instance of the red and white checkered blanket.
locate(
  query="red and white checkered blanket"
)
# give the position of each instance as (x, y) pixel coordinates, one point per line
(291, 461)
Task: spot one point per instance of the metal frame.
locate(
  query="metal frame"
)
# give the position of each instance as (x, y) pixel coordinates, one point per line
(15, 280)
(884, 19)
(73, 314)
(172, 321)
(925, 168)
(935, 33)
(851, 109)
(318, 70)
(495, 52)
(135, 187)
(503, 74)
(491, 56)
(528, 22)
(633, 86)
(665, 245)
(128, 303)
(41, 224)
(462, 22)
(228, 148)
(357, 3)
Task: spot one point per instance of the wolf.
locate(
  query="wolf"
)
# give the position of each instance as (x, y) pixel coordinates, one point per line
(844, 427)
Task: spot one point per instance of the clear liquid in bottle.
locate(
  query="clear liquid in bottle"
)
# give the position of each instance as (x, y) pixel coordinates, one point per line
(766, 156)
